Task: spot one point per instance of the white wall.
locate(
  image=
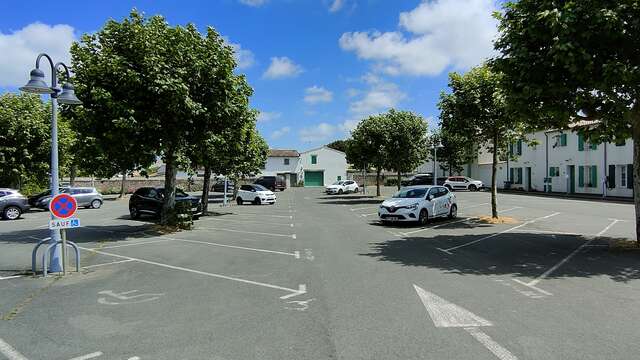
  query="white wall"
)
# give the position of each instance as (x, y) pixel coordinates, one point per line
(332, 162)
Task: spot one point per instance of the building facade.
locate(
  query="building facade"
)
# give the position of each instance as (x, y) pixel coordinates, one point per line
(562, 161)
(285, 163)
(322, 166)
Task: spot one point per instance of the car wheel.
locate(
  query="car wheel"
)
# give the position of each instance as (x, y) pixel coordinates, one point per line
(11, 212)
(453, 212)
(257, 201)
(356, 190)
(340, 192)
(423, 218)
(95, 204)
(134, 212)
(239, 200)
(449, 187)
(473, 187)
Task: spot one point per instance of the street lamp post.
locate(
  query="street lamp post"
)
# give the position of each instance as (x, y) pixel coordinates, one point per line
(67, 96)
(435, 162)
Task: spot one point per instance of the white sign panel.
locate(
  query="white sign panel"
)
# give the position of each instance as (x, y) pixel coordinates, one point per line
(64, 223)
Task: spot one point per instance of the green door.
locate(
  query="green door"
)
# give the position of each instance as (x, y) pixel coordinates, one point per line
(572, 179)
(313, 178)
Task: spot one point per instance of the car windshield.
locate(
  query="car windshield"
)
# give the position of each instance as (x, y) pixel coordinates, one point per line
(338, 183)
(410, 193)
(260, 188)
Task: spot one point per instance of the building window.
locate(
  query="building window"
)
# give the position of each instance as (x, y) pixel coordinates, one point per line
(314, 159)
(515, 175)
(563, 139)
(516, 148)
(286, 161)
(588, 176)
(623, 176)
(554, 171)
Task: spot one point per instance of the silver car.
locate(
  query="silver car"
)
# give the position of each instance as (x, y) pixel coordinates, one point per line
(12, 204)
(87, 197)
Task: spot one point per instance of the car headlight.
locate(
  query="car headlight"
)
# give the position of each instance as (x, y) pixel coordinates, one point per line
(413, 206)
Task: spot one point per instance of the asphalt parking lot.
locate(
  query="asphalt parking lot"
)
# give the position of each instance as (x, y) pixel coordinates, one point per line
(317, 277)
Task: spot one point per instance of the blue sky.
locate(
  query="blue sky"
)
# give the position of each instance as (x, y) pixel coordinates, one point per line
(317, 66)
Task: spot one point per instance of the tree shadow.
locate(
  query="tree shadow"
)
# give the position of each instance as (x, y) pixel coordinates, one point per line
(437, 223)
(363, 201)
(87, 234)
(514, 254)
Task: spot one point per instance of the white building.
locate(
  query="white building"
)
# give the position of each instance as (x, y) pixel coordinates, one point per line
(283, 162)
(562, 161)
(322, 166)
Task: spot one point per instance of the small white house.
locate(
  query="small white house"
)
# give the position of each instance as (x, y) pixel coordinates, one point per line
(283, 162)
(322, 166)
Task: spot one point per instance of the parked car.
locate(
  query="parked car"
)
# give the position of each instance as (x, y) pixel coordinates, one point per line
(342, 187)
(418, 179)
(12, 204)
(33, 200)
(219, 186)
(87, 197)
(463, 183)
(273, 183)
(148, 200)
(419, 203)
(255, 194)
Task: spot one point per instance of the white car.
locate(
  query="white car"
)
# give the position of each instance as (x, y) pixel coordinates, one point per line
(255, 194)
(419, 203)
(463, 183)
(342, 187)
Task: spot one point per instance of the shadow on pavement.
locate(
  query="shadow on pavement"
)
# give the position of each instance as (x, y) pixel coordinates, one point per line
(441, 223)
(515, 254)
(353, 202)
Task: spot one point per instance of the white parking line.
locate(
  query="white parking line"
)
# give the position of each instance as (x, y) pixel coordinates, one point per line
(365, 215)
(475, 205)
(109, 263)
(88, 356)
(302, 288)
(454, 222)
(448, 251)
(246, 222)
(134, 244)
(295, 254)
(247, 232)
(9, 352)
(11, 277)
(484, 339)
(363, 208)
(266, 215)
(563, 261)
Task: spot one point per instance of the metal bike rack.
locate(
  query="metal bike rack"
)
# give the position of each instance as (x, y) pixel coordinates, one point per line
(51, 247)
(34, 254)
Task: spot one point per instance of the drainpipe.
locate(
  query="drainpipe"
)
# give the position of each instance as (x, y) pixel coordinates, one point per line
(605, 171)
(546, 164)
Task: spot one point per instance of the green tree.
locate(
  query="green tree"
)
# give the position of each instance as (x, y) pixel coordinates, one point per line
(24, 141)
(367, 144)
(340, 145)
(476, 111)
(566, 61)
(406, 141)
(455, 150)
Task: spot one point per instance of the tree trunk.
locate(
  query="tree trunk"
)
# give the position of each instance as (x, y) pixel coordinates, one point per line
(72, 175)
(122, 187)
(169, 203)
(494, 179)
(636, 172)
(206, 186)
(399, 178)
(378, 171)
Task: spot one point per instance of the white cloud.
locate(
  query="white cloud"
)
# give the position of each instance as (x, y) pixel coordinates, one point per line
(277, 134)
(380, 96)
(254, 3)
(336, 5)
(317, 133)
(244, 58)
(317, 94)
(266, 116)
(282, 67)
(441, 34)
(20, 48)
(351, 92)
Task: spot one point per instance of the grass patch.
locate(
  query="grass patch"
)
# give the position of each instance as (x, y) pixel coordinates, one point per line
(623, 245)
(500, 220)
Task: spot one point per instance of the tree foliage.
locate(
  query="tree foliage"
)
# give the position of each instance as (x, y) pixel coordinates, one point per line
(406, 143)
(476, 111)
(575, 60)
(367, 146)
(340, 145)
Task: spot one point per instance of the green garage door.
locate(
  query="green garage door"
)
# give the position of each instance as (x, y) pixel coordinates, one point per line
(313, 178)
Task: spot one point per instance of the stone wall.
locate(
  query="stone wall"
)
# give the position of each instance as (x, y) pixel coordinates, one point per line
(112, 186)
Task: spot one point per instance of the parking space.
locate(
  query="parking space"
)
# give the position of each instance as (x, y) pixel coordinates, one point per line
(317, 277)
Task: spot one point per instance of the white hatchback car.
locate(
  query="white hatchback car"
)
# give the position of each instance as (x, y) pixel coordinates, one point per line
(255, 194)
(419, 203)
(463, 183)
(342, 187)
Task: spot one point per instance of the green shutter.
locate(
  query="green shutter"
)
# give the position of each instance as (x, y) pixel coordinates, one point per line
(563, 140)
(314, 159)
(581, 176)
(580, 142)
(510, 149)
(612, 177)
(593, 146)
(519, 147)
(630, 176)
(552, 171)
(511, 175)
(519, 175)
(594, 176)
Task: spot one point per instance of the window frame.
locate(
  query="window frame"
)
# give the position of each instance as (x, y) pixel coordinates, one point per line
(314, 159)
(286, 161)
